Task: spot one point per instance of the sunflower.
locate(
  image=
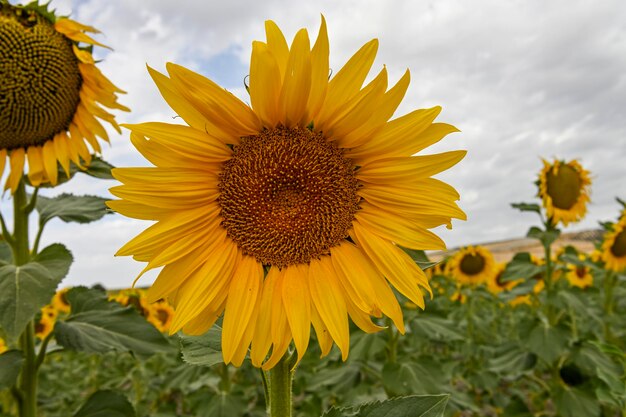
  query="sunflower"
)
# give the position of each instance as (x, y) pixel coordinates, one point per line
(160, 314)
(494, 282)
(51, 94)
(458, 297)
(290, 212)
(564, 190)
(579, 276)
(472, 265)
(60, 302)
(614, 246)
(3, 346)
(44, 326)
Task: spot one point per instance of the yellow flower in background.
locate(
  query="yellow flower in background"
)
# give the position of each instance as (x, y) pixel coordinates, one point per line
(3, 346)
(60, 302)
(289, 212)
(44, 326)
(472, 265)
(51, 94)
(161, 315)
(50, 311)
(494, 282)
(614, 246)
(579, 276)
(458, 297)
(564, 191)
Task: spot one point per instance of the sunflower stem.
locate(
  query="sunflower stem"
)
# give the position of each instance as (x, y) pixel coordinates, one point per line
(609, 285)
(549, 284)
(278, 386)
(21, 255)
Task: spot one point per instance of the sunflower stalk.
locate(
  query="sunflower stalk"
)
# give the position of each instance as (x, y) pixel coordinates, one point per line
(278, 384)
(609, 285)
(21, 255)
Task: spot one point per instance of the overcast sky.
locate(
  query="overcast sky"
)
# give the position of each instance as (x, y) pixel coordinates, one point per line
(522, 80)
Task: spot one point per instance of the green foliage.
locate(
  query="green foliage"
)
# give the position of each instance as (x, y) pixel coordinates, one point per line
(205, 350)
(25, 289)
(532, 207)
(97, 325)
(546, 237)
(71, 208)
(106, 403)
(412, 406)
(10, 365)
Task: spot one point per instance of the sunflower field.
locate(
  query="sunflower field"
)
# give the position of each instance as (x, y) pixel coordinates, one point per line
(295, 238)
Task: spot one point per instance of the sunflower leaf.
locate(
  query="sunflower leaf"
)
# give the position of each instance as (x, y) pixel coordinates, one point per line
(204, 350)
(25, 289)
(547, 237)
(99, 168)
(106, 403)
(71, 208)
(97, 325)
(410, 406)
(527, 207)
(10, 365)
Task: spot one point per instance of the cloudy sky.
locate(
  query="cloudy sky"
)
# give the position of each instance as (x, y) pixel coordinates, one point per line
(521, 79)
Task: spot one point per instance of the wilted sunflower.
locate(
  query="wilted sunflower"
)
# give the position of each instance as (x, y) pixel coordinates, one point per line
(564, 190)
(614, 246)
(51, 94)
(472, 265)
(44, 326)
(290, 212)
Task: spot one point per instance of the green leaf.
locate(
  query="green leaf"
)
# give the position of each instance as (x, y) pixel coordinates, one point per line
(97, 325)
(546, 237)
(521, 267)
(436, 328)
(411, 406)
(6, 254)
(204, 350)
(106, 403)
(223, 405)
(409, 377)
(512, 362)
(547, 342)
(573, 402)
(10, 365)
(71, 208)
(99, 168)
(25, 289)
(527, 207)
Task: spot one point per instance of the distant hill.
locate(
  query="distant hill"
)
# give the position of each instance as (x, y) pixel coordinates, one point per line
(504, 250)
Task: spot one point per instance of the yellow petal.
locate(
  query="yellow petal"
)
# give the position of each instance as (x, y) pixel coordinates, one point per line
(329, 301)
(323, 335)
(62, 152)
(16, 157)
(3, 160)
(320, 69)
(263, 335)
(50, 161)
(35, 166)
(136, 210)
(277, 45)
(243, 297)
(265, 84)
(297, 81)
(400, 170)
(297, 303)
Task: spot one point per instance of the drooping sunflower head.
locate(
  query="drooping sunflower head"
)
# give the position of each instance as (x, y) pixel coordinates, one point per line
(564, 191)
(472, 265)
(44, 326)
(290, 212)
(51, 94)
(614, 246)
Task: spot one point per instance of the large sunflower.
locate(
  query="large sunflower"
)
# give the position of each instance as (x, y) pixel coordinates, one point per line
(614, 246)
(472, 265)
(290, 212)
(51, 94)
(564, 191)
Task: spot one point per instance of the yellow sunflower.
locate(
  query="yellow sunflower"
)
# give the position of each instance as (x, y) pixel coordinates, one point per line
(472, 265)
(291, 212)
(51, 94)
(3, 346)
(494, 282)
(579, 276)
(564, 190)
(59, 301)
(458, 297)
(161, 315)
(614, 246)
(44, 326)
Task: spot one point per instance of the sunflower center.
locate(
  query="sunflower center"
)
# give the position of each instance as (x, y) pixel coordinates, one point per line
(581, 272)
(618, 248)
(41, 82)
(162, 316)
(472, 264)
(287, 196)
(563, 187)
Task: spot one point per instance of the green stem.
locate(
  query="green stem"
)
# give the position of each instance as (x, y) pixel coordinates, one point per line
(609, 285)
(548, 281)
(392, 342)
(21, 255)
(278, 386)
